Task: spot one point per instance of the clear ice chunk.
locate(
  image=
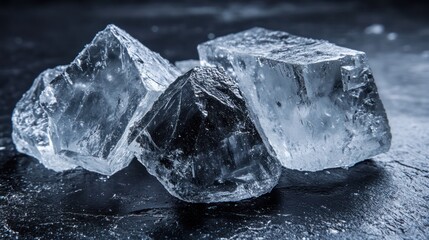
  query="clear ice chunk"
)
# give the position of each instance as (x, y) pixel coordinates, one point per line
(186, 65)
(31, 127)
(92, 102)
(200, 143)
(315, 104)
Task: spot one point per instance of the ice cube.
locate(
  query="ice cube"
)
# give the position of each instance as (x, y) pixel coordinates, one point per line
(93, 101)
(200, 143)
(315, 104)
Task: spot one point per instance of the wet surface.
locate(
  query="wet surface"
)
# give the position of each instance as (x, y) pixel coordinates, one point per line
(385, 197)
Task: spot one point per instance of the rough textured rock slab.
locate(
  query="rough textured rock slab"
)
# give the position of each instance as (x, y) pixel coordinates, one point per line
(200, 143)
(92, 102)
(315, 104)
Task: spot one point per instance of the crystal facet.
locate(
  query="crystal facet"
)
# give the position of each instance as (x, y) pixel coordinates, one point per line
(200, 143)
(93, 101)
(31, 127)
(315, 104)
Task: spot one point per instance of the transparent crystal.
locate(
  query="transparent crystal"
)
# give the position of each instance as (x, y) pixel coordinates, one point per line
(315, 104)
(200, 143)
(186, 65)
(30, 124)
(93, 101)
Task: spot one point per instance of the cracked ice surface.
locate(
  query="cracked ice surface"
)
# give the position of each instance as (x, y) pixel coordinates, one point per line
(315, 104)
(200, 143)
(92, 101)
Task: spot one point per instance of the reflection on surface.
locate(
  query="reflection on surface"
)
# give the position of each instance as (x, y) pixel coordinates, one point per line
(133, 197)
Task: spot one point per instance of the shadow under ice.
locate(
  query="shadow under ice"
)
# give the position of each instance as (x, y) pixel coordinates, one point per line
(309, 197)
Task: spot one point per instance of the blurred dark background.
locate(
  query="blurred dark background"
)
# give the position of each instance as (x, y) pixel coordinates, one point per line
(384, 197)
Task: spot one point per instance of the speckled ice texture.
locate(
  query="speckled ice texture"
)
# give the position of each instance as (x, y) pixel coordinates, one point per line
(86, 108)
(315, 104)
(200, 143)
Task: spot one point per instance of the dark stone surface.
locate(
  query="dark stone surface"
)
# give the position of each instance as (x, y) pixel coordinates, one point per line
(386, 197)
